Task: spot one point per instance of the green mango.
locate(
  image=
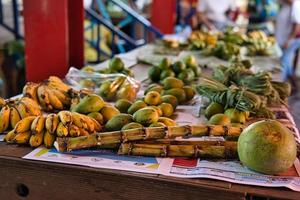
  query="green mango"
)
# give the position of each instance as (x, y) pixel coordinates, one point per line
(89, 103)
(118, 121)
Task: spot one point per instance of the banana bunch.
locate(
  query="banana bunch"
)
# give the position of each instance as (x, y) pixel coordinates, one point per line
(258, 35)
(12, 111)
(38, 130)
(52, 94)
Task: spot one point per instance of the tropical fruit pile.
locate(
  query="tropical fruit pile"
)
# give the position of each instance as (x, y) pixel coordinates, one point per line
(38, 130)
(216, 114)
(13, 111)
(173, 87)
(152, 110)
(51, 94)
(108, 86)
(186, 70)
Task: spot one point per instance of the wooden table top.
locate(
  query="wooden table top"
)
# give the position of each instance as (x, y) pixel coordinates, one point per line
(11, 163)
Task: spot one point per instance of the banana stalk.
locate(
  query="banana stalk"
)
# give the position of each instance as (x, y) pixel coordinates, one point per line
(147, 134)
(200, 149)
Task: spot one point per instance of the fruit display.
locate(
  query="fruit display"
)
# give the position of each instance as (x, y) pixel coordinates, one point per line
(267, 147)
(115, 66)
(149, 134)
(199, 40)
(151, 111)
(13, 111)
(186, 70)
(108, 86)
(51, 94)
(38, 130)
(172, 87)
(223, 50)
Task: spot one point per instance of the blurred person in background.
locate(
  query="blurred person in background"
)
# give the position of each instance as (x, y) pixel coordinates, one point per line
(214, 14)
(262, 14)
(287, 34)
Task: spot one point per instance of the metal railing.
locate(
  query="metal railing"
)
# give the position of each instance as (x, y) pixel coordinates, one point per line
(121, 42)
(15, 29)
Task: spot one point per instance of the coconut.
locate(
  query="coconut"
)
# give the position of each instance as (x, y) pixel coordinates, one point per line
(268, 147)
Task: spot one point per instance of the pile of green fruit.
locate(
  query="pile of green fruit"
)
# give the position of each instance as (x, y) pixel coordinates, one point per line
(115, 65)
(151, 111)
(217, 115)
(224, 50)
(173, 87)
(186, 70)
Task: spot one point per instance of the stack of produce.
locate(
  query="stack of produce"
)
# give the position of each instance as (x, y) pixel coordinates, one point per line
(108, 86)
(217, 115)
(173, 87)
(115, 66)
(259, 83)
(38, 130)
(13, 111)
(224, 50)
(51, 94)
(199, 40)
(151, 135)
(152, 111)
(186, 70)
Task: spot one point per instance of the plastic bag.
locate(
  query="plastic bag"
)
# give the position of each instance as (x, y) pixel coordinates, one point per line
(109, 86)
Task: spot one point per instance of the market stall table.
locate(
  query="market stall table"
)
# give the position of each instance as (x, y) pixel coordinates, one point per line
(44, 180)
(29, 179)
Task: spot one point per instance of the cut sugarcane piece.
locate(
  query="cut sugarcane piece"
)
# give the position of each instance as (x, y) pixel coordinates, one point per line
(108, 138)
(144, 134)
(199, 149)
(199, 130)
(178, 131)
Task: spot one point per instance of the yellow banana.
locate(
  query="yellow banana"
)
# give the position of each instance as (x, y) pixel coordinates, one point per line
(22, 110)
(24, 125)
(10, 136)
(51, 123)
(117, 83)
(65, 117)
(4, 118)
(22, 138)
(14, 117)
(56, 82)
(43, 97)
(90, 123)
(97, 125)
(37, 139)
(62, 131)
(78, 120)
(74, 131)
(38, 124)
(30, 90)
(49, 139)
(32, 106)
(54, 100)
(63, 97)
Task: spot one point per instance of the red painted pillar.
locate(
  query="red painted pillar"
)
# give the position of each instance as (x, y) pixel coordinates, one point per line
(48, 37)
(163, 15)
(76, 33)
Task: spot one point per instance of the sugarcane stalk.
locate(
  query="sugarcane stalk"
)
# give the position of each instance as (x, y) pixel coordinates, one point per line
(144, 134)
(200, 149)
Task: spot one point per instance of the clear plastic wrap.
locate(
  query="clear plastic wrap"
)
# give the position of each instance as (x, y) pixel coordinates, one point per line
(111, 87)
